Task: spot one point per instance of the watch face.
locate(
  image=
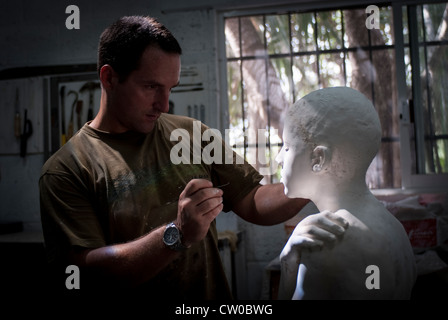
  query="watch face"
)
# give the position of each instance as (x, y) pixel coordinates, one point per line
(171, 236)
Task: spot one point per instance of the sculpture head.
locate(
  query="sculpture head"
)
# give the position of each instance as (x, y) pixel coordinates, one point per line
(330, 138)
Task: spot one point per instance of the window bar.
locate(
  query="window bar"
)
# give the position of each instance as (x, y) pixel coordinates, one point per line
(372, 88)
(266, 72)
(316, 42)
(416, 89)
(432, 145)
(372, 83)
(243, 114)
(268, 103)
(291, 61)
(344, 51)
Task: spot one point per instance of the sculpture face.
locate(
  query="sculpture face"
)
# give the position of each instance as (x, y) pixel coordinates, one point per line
(295, 159)
(330, 138)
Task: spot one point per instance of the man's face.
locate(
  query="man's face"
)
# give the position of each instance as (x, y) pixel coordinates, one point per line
(137, 102)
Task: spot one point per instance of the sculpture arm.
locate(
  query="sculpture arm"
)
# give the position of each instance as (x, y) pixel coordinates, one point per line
(311, 234)
(312, 283)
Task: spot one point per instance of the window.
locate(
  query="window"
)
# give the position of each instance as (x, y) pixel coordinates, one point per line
(273, 60)
(427, 52)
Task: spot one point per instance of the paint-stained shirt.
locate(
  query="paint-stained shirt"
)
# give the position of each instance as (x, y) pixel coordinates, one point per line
(101, 189)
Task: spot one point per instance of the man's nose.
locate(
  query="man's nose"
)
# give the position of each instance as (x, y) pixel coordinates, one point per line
(163, 101)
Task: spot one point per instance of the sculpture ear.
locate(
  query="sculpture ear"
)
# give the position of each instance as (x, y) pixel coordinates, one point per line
(319, 158)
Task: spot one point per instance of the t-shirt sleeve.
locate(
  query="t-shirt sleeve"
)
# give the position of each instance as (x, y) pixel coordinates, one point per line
(66, 209)
(239, 180)
(238, 177)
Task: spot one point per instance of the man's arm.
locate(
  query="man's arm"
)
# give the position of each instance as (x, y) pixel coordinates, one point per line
(268, 205)
(132, 263)
(127, 264)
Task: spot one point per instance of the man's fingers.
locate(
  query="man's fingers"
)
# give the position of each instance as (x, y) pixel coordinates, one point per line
(208, 206)
(205, 201)
(205, 194)
(195, 185)
(212, 214)
(201, 194)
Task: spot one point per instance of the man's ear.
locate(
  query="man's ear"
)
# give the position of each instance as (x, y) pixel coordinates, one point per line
(108, 77)
(319, 158)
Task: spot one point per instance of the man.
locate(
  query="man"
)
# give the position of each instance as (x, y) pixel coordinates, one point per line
(112, 202)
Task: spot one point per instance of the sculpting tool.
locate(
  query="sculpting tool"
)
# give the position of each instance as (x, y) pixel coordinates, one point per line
(223, 185)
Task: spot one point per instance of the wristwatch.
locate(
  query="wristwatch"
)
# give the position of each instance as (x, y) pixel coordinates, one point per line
(172, 237)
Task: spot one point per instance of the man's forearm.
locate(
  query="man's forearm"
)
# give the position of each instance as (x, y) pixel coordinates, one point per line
(268, 205)
(127, 264)
(273, 206)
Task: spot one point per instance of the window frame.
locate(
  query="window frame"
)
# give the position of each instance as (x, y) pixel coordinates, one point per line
(410, 180)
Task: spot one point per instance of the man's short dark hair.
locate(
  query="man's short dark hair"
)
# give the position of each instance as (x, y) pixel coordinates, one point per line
(122, 44)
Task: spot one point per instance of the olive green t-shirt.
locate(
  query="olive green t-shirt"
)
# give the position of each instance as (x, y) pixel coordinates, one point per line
(101, 189)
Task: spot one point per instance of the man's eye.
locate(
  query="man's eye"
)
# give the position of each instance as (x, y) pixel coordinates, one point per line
(286, 149)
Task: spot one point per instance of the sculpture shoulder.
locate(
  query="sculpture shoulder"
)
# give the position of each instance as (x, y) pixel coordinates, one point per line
(341, 271)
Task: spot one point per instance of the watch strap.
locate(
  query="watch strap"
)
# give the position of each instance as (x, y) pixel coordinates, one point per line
(178, 245)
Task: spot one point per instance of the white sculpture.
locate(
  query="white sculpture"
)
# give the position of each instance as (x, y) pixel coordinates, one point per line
(330, 138)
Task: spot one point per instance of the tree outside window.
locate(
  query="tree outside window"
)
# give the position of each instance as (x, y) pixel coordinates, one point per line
(274, 60)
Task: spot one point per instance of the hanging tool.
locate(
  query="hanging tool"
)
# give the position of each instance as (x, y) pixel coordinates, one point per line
(91, 86)
(27, 132)
(63, 137)
(79, 113)
(70, 124)
(17, 119)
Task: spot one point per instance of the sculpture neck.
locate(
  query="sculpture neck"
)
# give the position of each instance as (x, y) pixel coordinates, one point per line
(351, 196)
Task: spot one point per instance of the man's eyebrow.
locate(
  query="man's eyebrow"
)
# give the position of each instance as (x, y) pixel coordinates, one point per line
(156, 83)
(147, 81)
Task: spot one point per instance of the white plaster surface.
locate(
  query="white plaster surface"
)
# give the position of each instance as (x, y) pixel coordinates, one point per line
(330, 137)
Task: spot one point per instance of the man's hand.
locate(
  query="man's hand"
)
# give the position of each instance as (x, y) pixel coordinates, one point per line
(313, 232)
(199, 205)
